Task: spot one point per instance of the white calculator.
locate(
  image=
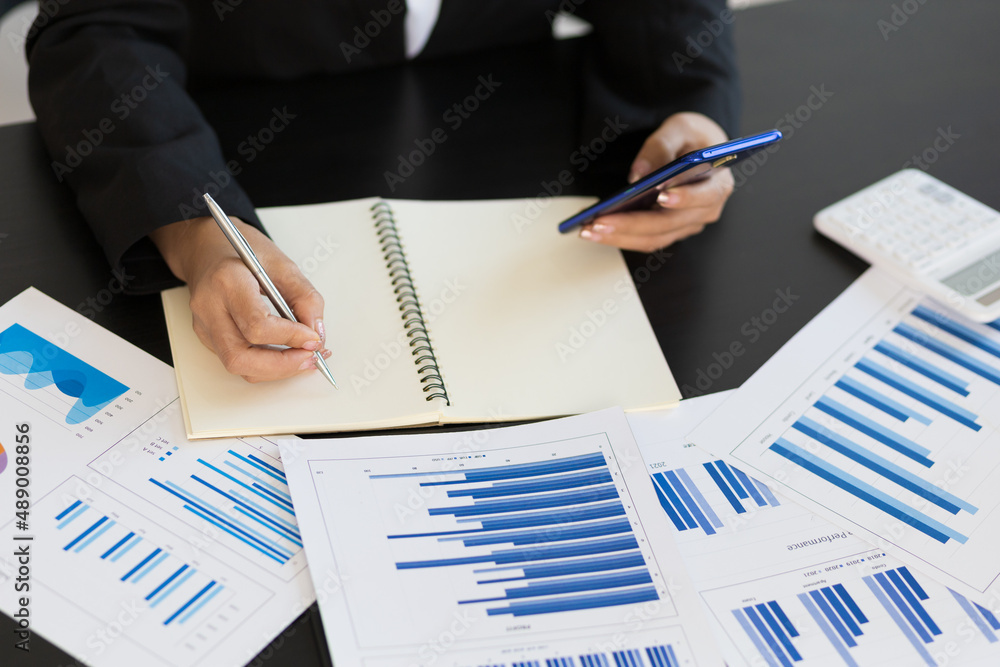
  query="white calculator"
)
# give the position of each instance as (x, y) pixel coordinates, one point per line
(927, 234)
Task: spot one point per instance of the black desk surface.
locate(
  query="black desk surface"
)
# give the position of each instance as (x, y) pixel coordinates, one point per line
(881, 91)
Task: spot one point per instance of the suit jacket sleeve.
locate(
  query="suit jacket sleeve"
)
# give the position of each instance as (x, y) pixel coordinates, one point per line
(649, 59)
(107, 82)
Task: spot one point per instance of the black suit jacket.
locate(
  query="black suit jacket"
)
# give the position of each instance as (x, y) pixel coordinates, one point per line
(134, 163)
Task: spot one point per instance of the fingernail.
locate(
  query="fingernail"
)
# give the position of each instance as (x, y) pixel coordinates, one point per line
(313, 345)
(589, 235)
(308, 363)
(601, 228)
(665, 198)
(327, 354)
(321, 330)
(639, 169)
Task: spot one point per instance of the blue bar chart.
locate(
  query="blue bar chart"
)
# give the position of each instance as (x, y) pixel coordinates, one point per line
(881, 415)
(59, 381)
(236, 494)
(911, 375)
(860, 610)
(180, 590)
(533, 549)
(565, 514)
(902, 598)
(247, 498)
(771, 631)
(838, 617)
(689, 506)
(659, 655)
(984, 619)
(139, 574)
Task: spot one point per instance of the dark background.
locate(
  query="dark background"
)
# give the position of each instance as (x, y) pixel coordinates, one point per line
(890, 93)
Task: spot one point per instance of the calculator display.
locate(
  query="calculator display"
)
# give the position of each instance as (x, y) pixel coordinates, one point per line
(975, 277)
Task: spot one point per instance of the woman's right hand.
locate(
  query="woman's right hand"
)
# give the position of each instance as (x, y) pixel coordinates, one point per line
(229, 314)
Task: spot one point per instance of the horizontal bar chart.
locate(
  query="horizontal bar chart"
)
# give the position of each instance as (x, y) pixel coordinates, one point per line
(915, 391)
(866, 492)
(548, 537)
(927, 369)
(864, 434)
(879, 400)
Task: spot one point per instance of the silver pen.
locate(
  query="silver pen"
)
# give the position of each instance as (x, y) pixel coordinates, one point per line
(246, 253)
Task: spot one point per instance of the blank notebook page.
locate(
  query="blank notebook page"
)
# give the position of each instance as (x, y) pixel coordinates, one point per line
(336, 246)
(525, 321)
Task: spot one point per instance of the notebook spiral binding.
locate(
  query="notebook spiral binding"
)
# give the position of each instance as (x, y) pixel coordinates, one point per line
(409, 305)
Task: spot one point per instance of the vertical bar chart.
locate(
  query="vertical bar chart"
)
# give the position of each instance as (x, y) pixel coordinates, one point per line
(857, 610)
(838, 617)
(690, 500)
(984, 619)
(656, 655)
(903, 599)
(771, 632)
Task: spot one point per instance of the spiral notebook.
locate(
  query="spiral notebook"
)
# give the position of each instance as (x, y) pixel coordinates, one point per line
(439, 312)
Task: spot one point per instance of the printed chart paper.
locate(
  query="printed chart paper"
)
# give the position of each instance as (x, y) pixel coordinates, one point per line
(530, 545)
(145, 548)
(882, 415)
(784, 586)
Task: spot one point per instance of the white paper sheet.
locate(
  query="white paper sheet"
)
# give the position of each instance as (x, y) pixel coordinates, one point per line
(510, 546)
(745, 546)
(122, 573)
(882, 415)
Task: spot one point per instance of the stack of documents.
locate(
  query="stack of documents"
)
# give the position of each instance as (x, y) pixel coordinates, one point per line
(145, 548)
(838, 509)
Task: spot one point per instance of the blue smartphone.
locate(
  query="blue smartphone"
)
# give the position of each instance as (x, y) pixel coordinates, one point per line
(688, 168)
